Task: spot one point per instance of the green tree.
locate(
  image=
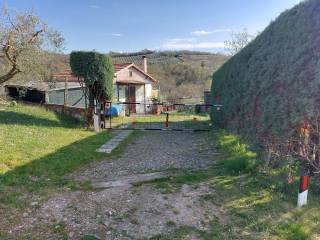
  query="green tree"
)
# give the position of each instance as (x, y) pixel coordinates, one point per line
(96, 71)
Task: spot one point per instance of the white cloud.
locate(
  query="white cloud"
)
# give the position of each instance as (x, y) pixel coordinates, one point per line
(204, 32)
(117, 34)
(190, 43)
(200, 33)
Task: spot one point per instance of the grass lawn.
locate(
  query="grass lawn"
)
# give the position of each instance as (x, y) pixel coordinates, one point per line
(259, 204)
(38, 148)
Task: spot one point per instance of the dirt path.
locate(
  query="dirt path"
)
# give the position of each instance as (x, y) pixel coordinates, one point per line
(131, 212)
(155, 151)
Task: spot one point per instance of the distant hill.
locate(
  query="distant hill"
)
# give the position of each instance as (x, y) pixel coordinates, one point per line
(211, 60)
(180, 73)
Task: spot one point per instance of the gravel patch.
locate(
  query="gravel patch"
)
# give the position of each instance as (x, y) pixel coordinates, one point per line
(155, 151)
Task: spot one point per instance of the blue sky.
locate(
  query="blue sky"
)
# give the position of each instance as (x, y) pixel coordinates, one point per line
(123, 25)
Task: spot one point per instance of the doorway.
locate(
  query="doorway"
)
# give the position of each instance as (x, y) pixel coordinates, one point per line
(131, 98)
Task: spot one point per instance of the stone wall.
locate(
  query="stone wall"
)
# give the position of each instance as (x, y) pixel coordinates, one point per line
(77, 113)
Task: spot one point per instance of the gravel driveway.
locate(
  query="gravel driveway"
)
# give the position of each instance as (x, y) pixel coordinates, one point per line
(130, 212)
(155, 151)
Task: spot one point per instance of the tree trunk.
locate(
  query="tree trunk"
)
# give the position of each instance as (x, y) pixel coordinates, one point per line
(9, 75)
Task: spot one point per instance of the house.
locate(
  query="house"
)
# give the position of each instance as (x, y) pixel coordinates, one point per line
(130, 84)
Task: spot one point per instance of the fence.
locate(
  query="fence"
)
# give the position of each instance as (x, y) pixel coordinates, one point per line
(158, 116)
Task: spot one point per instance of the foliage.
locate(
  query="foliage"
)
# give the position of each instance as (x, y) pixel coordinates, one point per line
(270, 89)
(181, 80)
(95, 69)
(25, 40)
(238, 41)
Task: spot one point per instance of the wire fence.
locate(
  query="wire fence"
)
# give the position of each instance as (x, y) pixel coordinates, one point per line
(158, 116)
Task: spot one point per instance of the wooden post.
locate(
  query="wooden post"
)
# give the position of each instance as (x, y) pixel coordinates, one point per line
(167, 120)
(110, 114)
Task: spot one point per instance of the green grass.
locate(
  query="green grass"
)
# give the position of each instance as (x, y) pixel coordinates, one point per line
(179, 120)
(237, 156)
(38, 149)
(259, 204)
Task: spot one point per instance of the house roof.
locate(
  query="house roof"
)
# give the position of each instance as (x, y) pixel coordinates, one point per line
(148, 75)
(44, 86)
(129, 81)
(119, 66)
(67, 73)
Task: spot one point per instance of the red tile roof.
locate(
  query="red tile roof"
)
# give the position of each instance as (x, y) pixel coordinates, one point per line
(61, 76)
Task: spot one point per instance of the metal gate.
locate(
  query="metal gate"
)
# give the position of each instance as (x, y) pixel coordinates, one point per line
(159, 116)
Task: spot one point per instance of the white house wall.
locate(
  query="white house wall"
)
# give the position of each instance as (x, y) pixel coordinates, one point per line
(148, 92)
(140, 98)
(124, 74)
(143, 90)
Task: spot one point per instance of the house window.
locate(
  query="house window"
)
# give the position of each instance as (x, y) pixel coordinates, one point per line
(130, 73)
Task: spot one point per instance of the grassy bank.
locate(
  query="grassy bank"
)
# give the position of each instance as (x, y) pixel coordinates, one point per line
(258, 204)
(38, 148)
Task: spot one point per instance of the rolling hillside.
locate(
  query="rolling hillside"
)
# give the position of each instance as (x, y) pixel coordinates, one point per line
(166, 57)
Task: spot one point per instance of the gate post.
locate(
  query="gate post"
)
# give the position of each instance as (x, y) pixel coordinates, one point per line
(110, 122)
(167, 120)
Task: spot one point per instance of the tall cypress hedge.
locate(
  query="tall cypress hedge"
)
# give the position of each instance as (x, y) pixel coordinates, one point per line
(272, 87)
(94, 68)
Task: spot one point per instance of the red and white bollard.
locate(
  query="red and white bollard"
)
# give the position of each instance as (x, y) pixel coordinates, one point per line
(303, 190)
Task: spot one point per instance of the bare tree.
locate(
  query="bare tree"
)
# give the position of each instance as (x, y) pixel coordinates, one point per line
(238, 41)
(24, 41)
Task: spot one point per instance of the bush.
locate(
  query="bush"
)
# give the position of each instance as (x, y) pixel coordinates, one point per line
(270, 89)
(94, 68)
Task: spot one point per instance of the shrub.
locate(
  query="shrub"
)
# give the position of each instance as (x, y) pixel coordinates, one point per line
(270, 89)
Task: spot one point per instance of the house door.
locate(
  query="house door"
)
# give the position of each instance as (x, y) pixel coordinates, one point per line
(132, 98)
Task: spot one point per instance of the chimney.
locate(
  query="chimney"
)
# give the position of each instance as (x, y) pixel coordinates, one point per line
(145, 64)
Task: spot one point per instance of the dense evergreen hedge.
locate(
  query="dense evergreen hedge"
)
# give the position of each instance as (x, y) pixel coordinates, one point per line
(273, 85)
(94, 68)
